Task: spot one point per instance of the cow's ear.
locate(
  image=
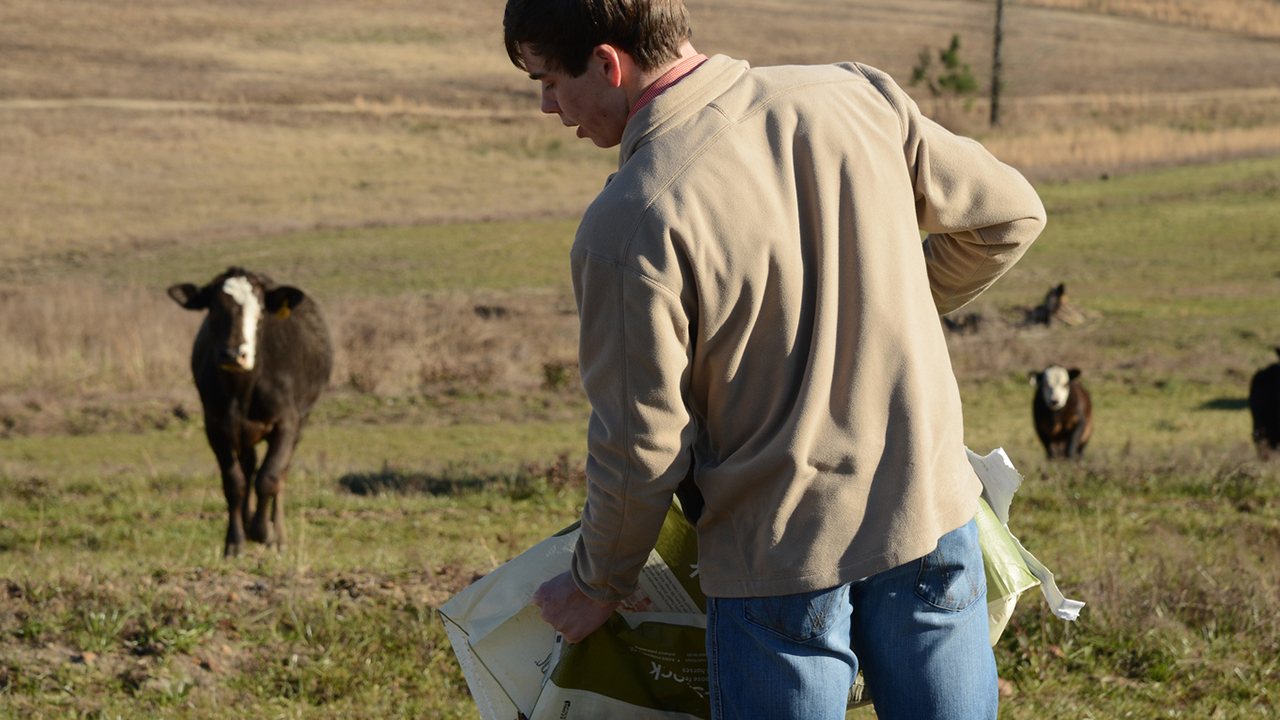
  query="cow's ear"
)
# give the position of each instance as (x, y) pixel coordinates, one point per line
(189, 296)
(283, 299)
(1073, 373)
(1033, 376)
(1277, 352)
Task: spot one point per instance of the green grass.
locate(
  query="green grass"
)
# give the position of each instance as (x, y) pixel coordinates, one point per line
(114, 600)
(1153, 417)
(370, 261)
(1191, 242)
(183, 450)
(1175, 555)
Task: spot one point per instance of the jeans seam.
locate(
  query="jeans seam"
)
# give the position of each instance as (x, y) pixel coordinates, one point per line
(774, 624)
(818, 619)
(772, 627)
(713, 660)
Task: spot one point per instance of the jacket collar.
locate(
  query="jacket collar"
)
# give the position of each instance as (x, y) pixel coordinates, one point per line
(679, 102)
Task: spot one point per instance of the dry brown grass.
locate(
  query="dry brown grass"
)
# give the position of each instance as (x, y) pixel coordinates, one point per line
(1254, 18)
(78, 357)
(90, 177)
(1071, 136)
(414, 344)
(125, 122)
(74, 339)
(290, 51)
(1089, 152)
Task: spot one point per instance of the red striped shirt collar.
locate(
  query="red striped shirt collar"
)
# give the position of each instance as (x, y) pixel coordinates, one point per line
(671, 77)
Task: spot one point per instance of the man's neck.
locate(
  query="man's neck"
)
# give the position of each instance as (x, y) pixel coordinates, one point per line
(645, 79)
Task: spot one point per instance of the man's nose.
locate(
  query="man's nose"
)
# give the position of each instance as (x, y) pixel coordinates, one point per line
(549, 104)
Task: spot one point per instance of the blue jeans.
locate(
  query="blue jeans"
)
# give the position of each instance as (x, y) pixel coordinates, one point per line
(918, 632)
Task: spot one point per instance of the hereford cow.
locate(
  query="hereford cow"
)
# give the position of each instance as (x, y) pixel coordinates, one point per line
(1264, 405)
(260, 361)
(1062, 410)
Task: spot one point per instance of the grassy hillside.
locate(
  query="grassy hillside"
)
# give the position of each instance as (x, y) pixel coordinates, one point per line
(129, 123)
(386, 158)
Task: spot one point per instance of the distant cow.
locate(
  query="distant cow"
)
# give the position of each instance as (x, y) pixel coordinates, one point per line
(1043, 313)
(1264, 404)
(260, 361)
(967, 324)
(1055, 307)
(1062, 410)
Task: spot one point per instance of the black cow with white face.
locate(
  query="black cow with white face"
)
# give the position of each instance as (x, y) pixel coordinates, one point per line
(260, 361)
(1062, 410)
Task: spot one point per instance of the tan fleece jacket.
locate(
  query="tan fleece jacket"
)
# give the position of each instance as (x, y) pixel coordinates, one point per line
(757, 308)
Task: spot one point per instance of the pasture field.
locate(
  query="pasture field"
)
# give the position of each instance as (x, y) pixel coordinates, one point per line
(386, 157)
(115, 601)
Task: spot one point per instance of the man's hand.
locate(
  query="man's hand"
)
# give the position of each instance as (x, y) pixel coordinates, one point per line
(570, 611)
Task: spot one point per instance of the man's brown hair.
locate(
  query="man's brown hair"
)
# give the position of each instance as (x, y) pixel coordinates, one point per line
(564, 32)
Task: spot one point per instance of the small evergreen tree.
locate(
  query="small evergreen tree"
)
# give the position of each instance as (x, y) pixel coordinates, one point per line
(955, 76)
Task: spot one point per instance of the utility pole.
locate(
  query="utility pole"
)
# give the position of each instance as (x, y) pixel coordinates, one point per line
(996, 66)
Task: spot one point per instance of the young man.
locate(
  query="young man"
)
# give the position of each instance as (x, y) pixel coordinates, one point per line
(759, 315)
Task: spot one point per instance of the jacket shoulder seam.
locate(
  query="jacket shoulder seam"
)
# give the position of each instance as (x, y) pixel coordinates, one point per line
(626, 267)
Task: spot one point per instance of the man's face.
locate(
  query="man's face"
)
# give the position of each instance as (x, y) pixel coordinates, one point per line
(589, 102)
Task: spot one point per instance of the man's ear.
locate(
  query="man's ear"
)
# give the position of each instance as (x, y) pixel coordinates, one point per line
(611, 60)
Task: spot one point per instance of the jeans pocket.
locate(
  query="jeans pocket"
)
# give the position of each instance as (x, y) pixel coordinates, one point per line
(952, 577)
(800, 617)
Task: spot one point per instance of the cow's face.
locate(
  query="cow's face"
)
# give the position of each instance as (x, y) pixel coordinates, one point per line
(1054, 384)
(241, 302)
(236, 303)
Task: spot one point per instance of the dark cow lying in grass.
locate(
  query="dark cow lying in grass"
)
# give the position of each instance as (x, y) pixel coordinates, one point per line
(1264, 405)
(1044, 313)
(1055, 307)
(1062, 410)
(260, 361)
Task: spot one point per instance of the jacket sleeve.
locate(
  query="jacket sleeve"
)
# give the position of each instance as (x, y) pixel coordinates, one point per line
(634, 360)
(980, 214)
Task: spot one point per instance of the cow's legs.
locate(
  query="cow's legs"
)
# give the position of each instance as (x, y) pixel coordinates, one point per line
(1074, 445)
(269, 485)
(248, 463)
(236, 490)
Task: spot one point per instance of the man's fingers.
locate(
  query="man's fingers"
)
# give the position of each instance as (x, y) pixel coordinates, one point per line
(549, 616)
(543, 594)
(565, 608)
